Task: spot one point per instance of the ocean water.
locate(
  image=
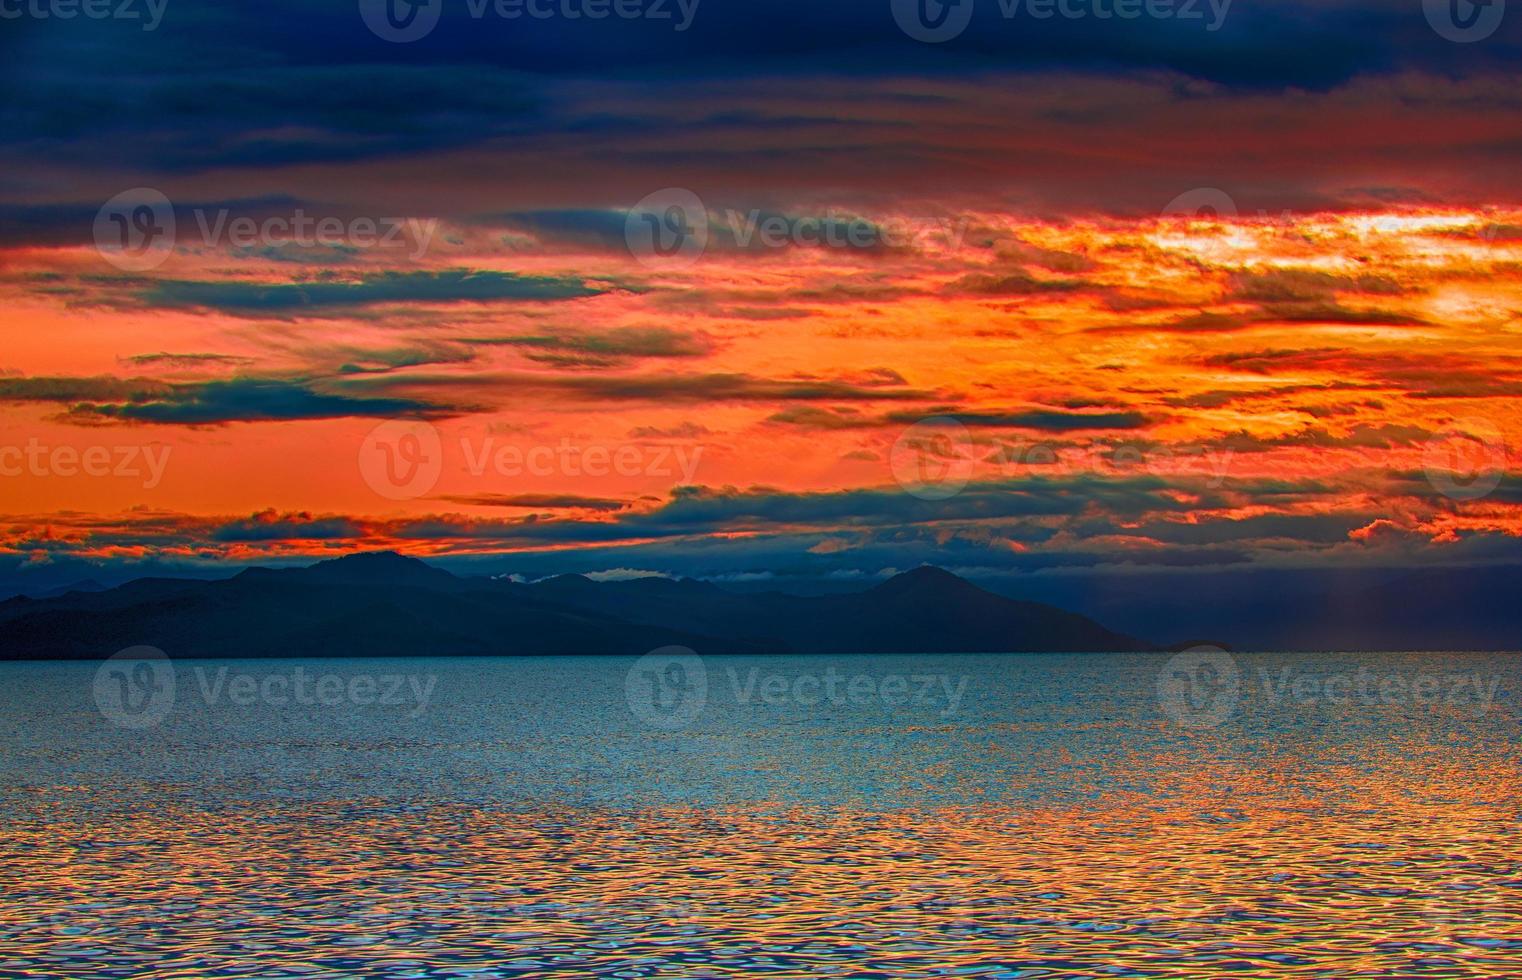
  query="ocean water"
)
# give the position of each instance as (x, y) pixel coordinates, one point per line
(1248, 815)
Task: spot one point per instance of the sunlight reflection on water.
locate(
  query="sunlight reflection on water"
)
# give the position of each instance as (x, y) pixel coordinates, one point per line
(1055, 826)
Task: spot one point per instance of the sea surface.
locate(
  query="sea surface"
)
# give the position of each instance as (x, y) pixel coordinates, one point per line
(1205, 815)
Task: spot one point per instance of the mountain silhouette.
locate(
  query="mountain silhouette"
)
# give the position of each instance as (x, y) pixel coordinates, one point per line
(383, 568)
(386, 604)
(84, 585)
(1324, 609)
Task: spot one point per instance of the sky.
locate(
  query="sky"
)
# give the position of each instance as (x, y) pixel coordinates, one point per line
(761, 291)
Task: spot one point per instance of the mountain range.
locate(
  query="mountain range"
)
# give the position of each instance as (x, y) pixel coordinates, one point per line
(386, 604)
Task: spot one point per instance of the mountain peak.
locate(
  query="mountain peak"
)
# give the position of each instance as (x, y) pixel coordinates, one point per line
(377, 567)
(383, 602)
(922, 579)
(370, 559)
(566, 580)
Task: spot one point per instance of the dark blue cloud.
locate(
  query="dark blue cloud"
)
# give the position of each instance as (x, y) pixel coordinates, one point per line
(250, 399)
(73, 222)
(1049, 420)
(386, 287)
(292, 81)
(1281, 43)
(270, 527)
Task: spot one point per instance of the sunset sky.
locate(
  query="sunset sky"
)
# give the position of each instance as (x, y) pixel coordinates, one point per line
(1244, 297)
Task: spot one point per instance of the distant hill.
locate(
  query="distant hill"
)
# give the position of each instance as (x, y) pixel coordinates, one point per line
(84, 585)
(1453, 608)
(926, 610)
(384, 604)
